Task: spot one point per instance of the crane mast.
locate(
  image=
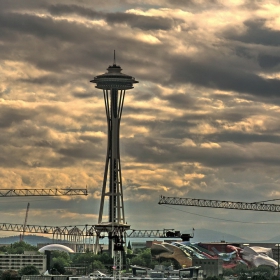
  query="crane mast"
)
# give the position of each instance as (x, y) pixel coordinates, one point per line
(25, 222)
(253, 206)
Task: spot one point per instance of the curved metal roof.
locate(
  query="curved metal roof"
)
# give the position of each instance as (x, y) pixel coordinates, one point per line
(53, 247)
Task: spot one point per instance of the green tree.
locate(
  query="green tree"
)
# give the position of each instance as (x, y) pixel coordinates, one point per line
(228, 272)
(29, 270)
(264, 270)
(138, 260)
(57, 268)
(59, 261)
(212, 278)
(104, 258)
(84, 258)
(259, 277)
(60, 257)
(243, 277)
(9, 275)
(92, 261)
(20, 247)
(240, 269)
(98, 265)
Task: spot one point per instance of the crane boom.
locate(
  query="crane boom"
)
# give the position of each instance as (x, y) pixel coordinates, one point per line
(41, 192)
(85, 230)
(253, 206)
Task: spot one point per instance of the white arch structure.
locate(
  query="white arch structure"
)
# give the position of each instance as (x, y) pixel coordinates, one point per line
(53, 247)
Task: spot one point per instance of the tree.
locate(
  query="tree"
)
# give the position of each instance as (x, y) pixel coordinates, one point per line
(29, 270)
(264, 270)
(20, 247)
(138, 260)
(9, 275)
(240, 269)
(62, 257)
(129, 246)
(57, 267)
(212, 278)
(98, 265)
(243, 277)
(228, 272)
(259, 277)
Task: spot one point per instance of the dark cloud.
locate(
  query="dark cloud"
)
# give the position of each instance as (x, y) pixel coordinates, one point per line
(222, 76)
(85, 150)
(135, 21)
(60, 9)
(142, 22)
(83, 95)
(37, 26)
(47, 79)
(255, 33)
(43, 143)
(268, 61)
(9, 115)
(194, 5)
(156, 151)
(243, 138)
(181, 100)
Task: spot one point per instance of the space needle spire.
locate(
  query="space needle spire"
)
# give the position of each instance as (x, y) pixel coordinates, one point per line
(114, 85)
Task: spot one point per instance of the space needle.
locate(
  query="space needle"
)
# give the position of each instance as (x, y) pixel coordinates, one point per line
(114, 85)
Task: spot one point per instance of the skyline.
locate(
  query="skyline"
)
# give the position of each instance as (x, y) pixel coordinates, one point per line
(203, 122)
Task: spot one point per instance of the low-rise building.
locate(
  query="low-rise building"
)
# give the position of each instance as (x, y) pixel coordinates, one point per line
(210, 267)
(18, 261)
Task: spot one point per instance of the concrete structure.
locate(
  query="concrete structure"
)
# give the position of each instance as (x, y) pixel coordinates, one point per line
(18, 261)
(163, 272)
(210, 267)
(138, 245)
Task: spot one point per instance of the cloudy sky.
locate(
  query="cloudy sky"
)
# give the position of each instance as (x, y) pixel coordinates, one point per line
(203, 122)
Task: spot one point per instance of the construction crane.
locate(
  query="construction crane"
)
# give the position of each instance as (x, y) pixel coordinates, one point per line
(253, 206)
(87, 230)
(38, 192)
(41, 192)
(74, 232)
(25, 222)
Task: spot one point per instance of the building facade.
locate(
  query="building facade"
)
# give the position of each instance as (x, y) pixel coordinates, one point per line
(210, 267)
(18, 261)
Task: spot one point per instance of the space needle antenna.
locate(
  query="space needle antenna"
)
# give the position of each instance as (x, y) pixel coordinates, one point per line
(114, 57)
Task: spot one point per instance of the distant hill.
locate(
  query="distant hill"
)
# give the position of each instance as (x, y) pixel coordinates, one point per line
(31, 239)
(274, 239)
(207, 235)
(202, 235)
